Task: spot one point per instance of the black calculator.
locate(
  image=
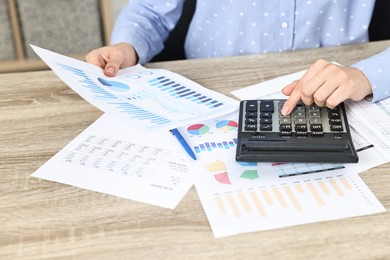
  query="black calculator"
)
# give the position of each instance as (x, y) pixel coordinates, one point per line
(309, 134)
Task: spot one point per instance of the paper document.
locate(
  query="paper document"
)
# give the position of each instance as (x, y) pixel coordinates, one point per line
(152, 99)
(376, 118)
(113, 158)
(243, 197)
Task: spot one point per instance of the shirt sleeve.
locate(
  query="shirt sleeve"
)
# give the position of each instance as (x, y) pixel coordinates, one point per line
(377, 71)
(145, 24)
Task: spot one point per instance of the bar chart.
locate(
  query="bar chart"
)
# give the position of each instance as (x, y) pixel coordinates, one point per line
(270, 204)
(135, 111)
(211, 146)
(263, 200)
(213, 135)
(180, 91)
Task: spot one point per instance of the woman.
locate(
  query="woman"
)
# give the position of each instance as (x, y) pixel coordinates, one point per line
(234, 27)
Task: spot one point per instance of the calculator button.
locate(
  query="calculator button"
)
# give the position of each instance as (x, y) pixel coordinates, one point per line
(314, 108)
(299, 108)
(315, 120)
(266, 121)
(265, 114)
(336, 128)
(336, 109)
(266, 127)
(299, 113)
(334, 115)
(285, 120)
(251, 115)
(285, 127)
(251, 106)
(267, 106)
(300, 120)
(335, 121)
(251, 121)
(301, 128)
(315, 128)
(314, 114)
(251, 127)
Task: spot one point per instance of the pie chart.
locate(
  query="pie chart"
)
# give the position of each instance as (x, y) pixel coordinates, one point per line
(198, 129)
(227, 125)
(114, 85)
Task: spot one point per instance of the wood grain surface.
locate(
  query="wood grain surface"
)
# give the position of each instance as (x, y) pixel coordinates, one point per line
(40, 219)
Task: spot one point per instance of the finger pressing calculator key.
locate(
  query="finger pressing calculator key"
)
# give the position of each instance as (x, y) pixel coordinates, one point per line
(308, 134)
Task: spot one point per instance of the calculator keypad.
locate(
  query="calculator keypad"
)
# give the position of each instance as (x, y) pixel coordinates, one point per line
(309, 134)
(261, 116)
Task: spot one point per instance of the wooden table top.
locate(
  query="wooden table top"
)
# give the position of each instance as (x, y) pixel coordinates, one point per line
(45, 220)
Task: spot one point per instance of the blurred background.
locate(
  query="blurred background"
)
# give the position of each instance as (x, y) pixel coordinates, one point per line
(69, 27)
(74, 27)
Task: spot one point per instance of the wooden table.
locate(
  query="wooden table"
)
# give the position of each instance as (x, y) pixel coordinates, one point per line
(45, 220)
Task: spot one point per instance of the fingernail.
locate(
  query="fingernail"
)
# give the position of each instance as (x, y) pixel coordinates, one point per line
(285, 110)
(110, 70)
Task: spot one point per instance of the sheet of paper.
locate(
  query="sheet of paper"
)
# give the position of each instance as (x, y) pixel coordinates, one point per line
(366, 141)
(152, 99)
(376, 118)
(369, 148)
(268, 89)
(113, 158)
(243, 197)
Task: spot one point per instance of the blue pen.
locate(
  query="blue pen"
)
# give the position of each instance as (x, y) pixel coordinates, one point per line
(183, 143)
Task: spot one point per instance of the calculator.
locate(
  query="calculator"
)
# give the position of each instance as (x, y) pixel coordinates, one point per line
(309, 134)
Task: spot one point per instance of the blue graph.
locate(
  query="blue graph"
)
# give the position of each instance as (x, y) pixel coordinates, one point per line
(179, 91)
(114, 85)
(87, 82)
(151, 99)
(210, 146)
(99, 92)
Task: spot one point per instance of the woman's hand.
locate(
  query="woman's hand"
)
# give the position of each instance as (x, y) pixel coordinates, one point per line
(326, 84)
(111, 58)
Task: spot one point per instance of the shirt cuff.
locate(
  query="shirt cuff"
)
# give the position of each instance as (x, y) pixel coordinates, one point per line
(377, 69)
